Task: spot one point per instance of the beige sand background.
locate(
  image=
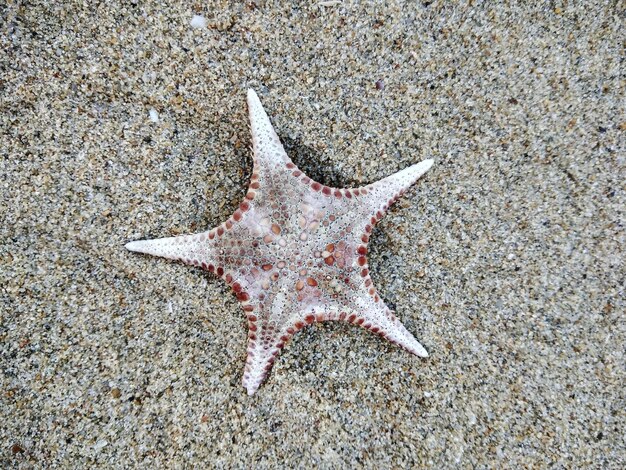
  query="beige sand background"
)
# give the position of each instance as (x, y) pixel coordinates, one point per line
(506, 261)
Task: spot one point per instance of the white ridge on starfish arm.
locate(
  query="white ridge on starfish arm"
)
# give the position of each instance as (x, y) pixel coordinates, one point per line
(190, 249)
(267, 150)
(383, 193)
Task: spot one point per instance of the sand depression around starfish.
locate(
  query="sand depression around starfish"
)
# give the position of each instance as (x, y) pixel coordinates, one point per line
(294, 252)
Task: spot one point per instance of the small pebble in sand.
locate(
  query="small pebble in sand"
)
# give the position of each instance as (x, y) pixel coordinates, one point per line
(154, 115)
(198, 21)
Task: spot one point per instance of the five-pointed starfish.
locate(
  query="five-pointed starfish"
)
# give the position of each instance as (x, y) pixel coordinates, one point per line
(294, 251)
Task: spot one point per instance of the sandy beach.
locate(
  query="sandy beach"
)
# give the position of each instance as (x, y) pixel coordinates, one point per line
(128, 120)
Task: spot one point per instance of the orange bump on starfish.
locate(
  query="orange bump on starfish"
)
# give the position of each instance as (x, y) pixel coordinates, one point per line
(314, 235)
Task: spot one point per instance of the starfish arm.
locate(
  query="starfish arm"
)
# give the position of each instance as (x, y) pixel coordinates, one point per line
(190, 249)
(261, 355)
(259, 362)
(379, 196)
(373, 315)
(268, 153)
(272, 324)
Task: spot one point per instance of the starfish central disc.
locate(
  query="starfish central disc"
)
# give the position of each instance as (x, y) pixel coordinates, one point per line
(294, 252)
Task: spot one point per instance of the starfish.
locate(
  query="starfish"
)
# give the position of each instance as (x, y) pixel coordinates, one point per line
(294, 252)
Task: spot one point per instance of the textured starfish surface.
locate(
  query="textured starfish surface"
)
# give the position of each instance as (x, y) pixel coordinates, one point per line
(294, 252)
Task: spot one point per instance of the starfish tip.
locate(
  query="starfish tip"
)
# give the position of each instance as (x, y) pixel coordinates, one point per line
(132, 246)
(421, 352)
(252, 95)
(251, 388)
(423, 166)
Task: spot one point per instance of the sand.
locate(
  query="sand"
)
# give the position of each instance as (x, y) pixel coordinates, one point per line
(123, 121)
